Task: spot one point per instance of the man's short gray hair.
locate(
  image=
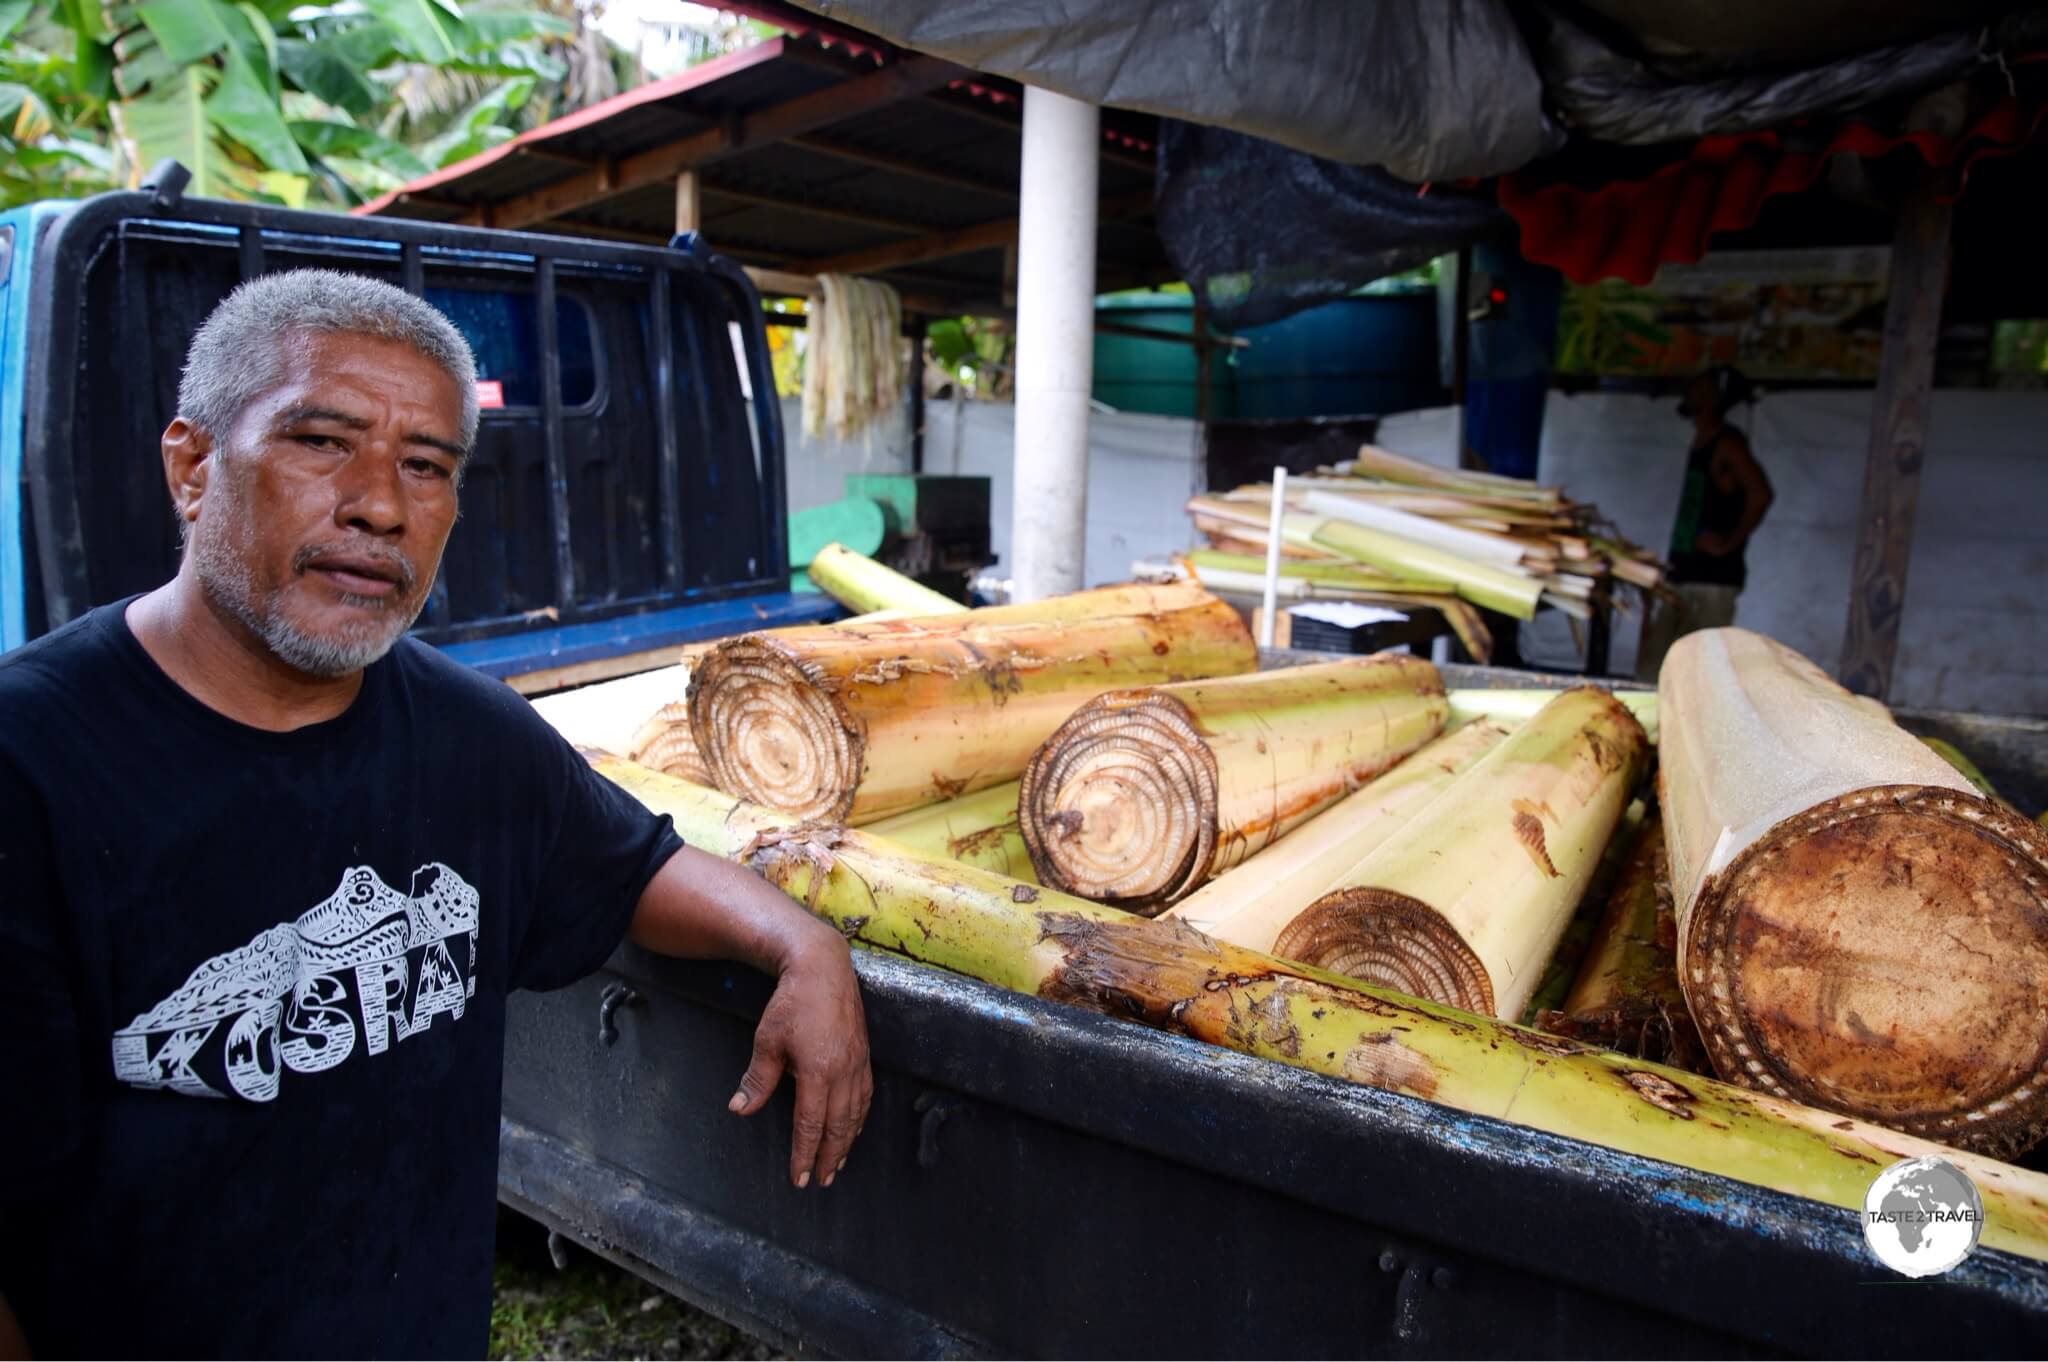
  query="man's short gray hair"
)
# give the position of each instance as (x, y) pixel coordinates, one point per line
(239, 353)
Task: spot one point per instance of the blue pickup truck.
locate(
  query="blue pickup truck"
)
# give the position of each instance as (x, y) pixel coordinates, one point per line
(625, 495)
(1033, 1180)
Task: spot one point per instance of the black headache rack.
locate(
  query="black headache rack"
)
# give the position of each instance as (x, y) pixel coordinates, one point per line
(626, 491)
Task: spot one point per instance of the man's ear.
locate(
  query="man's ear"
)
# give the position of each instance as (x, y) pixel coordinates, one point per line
(188, 461)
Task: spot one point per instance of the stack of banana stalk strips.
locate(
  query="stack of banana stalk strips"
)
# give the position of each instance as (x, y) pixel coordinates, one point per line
(1744, 924)
(1390, 530)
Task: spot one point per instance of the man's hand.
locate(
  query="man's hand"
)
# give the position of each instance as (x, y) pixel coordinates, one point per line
(700, 907)
(813, 1029)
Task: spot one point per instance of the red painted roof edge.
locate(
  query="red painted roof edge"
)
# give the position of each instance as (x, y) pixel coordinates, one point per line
(710, 72)
(790, 19)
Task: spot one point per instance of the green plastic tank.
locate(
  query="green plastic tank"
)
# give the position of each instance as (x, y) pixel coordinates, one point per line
(1156, 376)
(1368, 354)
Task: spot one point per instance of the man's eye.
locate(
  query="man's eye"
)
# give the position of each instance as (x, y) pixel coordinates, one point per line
(427, 468)
(319, 441)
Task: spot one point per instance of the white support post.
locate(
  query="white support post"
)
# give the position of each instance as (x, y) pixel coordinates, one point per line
(1055, 342)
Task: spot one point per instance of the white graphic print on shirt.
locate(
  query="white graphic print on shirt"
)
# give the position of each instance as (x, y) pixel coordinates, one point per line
(367, 966)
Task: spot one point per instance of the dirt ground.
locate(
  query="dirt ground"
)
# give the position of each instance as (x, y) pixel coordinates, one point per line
(592, 1309)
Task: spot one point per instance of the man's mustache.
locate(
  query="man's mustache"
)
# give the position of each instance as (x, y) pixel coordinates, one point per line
(380, 560)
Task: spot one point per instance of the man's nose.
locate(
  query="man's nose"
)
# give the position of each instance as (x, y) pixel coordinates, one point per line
(372, 498)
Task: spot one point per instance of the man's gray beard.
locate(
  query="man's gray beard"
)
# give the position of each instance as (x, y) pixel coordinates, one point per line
(226, 581)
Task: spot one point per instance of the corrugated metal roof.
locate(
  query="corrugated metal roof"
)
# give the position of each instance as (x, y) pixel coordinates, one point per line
(889, 168)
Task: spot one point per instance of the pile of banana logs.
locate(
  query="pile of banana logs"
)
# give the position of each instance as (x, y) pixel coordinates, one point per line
(1099, 798)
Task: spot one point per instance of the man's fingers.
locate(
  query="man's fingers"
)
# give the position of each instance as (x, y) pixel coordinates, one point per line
(807, 1129)
(842, 1122)
(813, 1033)
(867, 1098)
(757, 1084)
(841, 1133)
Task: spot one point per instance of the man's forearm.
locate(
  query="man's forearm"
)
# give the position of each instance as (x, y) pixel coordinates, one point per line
(701, 907)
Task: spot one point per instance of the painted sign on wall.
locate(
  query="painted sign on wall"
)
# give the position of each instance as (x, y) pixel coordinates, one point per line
(1790, 314)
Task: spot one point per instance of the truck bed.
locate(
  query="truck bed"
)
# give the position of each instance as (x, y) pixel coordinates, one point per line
(1036, 1180)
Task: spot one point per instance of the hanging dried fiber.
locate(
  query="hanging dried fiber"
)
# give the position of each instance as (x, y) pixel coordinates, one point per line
(853, 361)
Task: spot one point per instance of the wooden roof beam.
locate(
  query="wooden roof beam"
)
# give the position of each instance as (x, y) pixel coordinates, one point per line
(785, 284)
(466, 213)
(935, 284)
(552, 154)
(906, 79)
(771, 283)
(811, 208)
(753, 255)
(963, 241)
(898, 165)
(983, 111)
(782, 283)
(602, 233)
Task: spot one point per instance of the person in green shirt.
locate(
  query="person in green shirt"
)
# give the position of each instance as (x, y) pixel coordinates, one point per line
(1724, 499)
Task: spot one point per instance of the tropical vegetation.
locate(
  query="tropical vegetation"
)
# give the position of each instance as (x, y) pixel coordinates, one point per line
(278, 100)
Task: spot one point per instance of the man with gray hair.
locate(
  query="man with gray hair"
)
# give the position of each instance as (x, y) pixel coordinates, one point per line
(272, 869)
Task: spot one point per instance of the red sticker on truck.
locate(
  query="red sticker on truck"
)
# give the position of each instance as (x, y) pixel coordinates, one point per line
(490, 392)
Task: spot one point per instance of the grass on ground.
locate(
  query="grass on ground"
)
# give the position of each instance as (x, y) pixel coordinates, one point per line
(591, 1309)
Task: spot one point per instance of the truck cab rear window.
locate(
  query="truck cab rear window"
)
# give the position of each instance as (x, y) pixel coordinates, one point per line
(502, 327)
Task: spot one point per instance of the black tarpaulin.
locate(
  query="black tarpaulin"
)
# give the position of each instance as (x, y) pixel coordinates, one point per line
(1426, 89)
(1321, 144)
(1261, 231)
(1607, 93)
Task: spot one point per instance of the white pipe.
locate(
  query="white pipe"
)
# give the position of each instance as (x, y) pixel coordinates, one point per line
(1273, 555)
(1469, 543)
(1055, 341)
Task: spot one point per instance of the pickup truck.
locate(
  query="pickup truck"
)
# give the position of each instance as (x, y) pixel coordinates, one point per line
(626, 493)
(1033, 1179)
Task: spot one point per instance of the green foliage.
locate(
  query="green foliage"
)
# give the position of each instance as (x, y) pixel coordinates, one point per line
(501, 43)
(330, 139)
(2019, 347)
(12, 12)
(48, 112)
(479, 127)
(973, 351)
(259, 99)
(1422, 276)
(785, 347)
(327, 75)
(245, 108)
(423, 29)
(173, 122)
(190, 30)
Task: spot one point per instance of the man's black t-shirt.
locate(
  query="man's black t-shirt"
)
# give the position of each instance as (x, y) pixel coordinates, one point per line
(252, 996)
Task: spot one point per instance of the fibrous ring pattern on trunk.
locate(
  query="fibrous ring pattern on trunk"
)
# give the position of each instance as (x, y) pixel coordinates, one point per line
(1119, 805)
(1381, 937)
(769, 733)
